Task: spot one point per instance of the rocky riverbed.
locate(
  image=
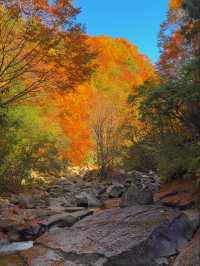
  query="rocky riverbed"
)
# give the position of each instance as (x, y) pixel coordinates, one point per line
(125, 221)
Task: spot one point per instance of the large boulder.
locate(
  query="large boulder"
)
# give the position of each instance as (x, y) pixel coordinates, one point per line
(135, 195)
(180, 194)
(135, 236)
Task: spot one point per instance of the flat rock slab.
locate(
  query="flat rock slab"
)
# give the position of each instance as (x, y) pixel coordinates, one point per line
(108, 233)
(132, 236)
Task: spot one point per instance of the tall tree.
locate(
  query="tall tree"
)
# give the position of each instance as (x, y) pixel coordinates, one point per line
(41, 46)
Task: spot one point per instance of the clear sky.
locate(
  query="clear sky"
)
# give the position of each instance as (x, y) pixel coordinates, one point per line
(136, 20)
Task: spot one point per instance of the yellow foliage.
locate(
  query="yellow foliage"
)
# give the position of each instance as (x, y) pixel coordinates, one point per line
(3, 84)
(52, 52)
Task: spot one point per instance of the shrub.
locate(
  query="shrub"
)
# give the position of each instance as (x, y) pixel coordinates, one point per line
(140, 157)
(28, 141)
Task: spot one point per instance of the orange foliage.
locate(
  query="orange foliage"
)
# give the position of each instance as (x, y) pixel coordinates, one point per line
(73, 114)
(175, 4)
(173, 53)
(120, 69)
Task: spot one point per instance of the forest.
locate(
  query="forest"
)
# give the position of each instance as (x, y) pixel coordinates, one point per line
(81, 113)
(71, 99)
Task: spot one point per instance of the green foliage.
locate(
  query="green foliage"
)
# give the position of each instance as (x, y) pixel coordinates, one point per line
(172, 158)
(140, 157)
(192, 7)
(171, 112)
(26, 143)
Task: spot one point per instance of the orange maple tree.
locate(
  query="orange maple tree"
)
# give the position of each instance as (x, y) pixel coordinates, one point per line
(120, 69)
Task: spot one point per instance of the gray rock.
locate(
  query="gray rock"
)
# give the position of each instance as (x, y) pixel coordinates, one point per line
(59, 204)
(65, 219)
(148, 181)
(134, 196)
(115, 190)
(31, 233)
(194, 217)
(29, 201)
(74, 209)
(100, 189)
(4, 203)
(162, 261)
(190, 256)
(25, 201)
(88, 199)
(10, 248)
(135, 236)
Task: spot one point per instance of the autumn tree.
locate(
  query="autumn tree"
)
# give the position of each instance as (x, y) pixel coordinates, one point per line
(106, 124)
(170, 108)
(41, 46)
(43, 52)
(72, 111)
(118, 68)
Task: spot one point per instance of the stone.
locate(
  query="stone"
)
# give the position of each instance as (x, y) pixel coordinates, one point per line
(88, 199)
(63, 182)
(32, 232)
(134, 196)
(134, 236)
(100, 189)
(25, 201)
(10, 248)
(74, 209)
(170, 237)
(112, 203)
(162, 261)
(180, 194)
(10, 220)
(190, 256)
(65, 219)
(29, 201)
(181, 200)
(148, 181)
(115, 190)
(4, 203)
(59, 204)
(194, 217)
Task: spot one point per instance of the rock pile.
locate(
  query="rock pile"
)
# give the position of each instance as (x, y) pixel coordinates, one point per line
(68, 225)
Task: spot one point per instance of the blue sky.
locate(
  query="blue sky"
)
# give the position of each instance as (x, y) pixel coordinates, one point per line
(137, 21)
